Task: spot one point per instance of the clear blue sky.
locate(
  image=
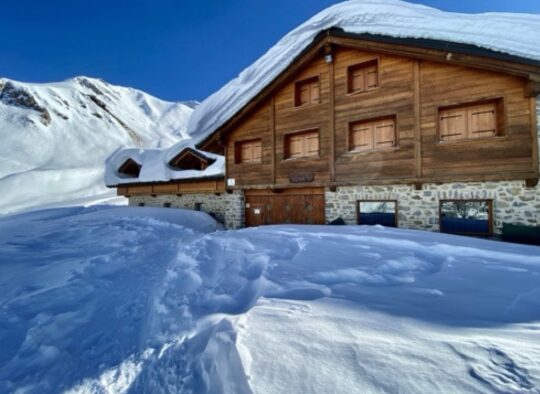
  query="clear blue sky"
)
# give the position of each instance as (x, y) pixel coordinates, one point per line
(173, 49)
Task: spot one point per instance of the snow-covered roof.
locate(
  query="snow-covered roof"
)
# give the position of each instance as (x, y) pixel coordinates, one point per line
(509, 33)
(155, 165)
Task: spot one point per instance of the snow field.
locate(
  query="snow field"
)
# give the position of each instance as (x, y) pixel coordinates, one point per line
(104, 300)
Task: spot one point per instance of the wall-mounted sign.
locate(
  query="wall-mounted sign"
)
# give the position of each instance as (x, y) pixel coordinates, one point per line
(257, 211)
(301, 177)
(231, 182)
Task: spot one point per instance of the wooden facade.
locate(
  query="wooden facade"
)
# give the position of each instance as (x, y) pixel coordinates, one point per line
(371, 110)
(178, 187)
(387, 128)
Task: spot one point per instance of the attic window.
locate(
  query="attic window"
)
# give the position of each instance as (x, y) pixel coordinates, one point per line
(130, 168)
(362, 77)
(307, 92)
(188, 159)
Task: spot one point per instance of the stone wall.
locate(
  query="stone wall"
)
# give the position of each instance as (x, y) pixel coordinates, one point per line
(227, 208)
(419, 209)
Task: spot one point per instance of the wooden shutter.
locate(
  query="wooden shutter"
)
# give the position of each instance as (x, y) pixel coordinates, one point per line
(362, 77)
(385, 133)
(311, 144)
(362, 136)
(453, 124)
(251, 151)
(357, 80)
(307, 92)
(315, 92)
(372, 78)
(302, 144)
(304, 94)
(295, 146)
(482, 120)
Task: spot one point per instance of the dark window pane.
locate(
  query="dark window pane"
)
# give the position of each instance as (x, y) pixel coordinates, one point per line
(377, 212)
(465, 217)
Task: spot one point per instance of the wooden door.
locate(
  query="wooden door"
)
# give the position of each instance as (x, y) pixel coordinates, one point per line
(293, 206)
(255, 214)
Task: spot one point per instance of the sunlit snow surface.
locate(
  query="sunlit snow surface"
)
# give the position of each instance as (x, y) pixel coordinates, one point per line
(160, 300)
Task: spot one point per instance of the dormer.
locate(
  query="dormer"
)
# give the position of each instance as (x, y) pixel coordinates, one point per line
(130, 168)
(190, 159)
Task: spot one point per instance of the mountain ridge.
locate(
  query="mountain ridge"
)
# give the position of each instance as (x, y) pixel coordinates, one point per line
(56, 136)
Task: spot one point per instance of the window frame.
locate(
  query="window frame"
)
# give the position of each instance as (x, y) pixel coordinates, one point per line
(350, 125)
(288, 135)
(500, 115)
(396, 212)
(297, 86)
(356, 66)
(490, 215)
(238, 151)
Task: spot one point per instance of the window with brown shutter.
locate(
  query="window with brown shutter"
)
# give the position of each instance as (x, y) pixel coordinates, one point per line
(248, 151)
(470, 121)
(302, 144)
(367, 135)
(307, 92)
(362, 77)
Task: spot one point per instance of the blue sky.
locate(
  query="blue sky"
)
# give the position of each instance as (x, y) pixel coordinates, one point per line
(173, 49)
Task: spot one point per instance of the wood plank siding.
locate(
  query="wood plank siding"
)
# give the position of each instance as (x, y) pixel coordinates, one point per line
(386, 118)
(185, 187)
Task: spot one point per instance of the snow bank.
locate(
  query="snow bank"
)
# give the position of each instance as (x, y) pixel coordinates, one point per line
(75, 289)
(147, 300)
(514, 34)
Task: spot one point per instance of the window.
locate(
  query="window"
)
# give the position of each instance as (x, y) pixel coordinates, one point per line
(372, 134)
(362, 77)
(248, 152)
(470, 121)
(471, 217)
(307, 92)
(198, 206)
(303, 144)
(141, 204)
(166, 205)
(189, 159)
(377, 212)
(130, 168)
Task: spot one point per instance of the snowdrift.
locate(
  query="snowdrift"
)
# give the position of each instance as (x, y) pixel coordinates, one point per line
(155, 300)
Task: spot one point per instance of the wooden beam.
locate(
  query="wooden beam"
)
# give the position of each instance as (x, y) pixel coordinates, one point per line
(417, 121)
(534, 135)
(273, 136)
(332, 117)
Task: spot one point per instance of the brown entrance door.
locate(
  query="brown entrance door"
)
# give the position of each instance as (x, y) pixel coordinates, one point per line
(290, 206)
(255, 214)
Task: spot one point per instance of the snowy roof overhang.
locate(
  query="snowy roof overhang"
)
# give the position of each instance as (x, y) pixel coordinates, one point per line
(503, 42)
(158, 166)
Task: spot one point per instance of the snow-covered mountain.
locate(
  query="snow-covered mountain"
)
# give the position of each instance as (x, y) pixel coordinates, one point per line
(55, 137)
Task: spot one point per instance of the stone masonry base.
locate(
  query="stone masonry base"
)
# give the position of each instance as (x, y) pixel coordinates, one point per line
(419, 209)
(226, 208)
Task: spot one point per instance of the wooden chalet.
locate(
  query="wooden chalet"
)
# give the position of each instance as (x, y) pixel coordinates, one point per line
(360, 126)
